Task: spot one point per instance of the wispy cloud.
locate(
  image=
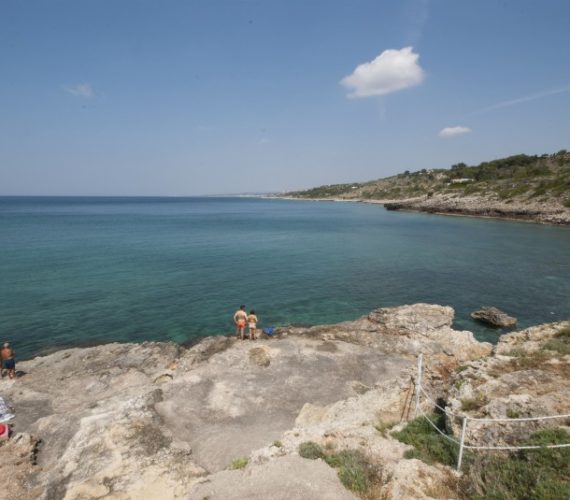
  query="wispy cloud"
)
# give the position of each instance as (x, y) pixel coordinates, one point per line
(264, 140)
(453, 131)
(417, 12)
(520, 100)
(80, 90)
(391, 71)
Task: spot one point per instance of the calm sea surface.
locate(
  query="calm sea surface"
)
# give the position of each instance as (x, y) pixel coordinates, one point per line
(76, 271)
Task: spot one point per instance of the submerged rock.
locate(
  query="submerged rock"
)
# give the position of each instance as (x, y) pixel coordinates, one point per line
(494, 317)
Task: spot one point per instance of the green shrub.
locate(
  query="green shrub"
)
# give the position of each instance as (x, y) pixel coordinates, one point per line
(512, 413)
(354, 470)
(528, 474)
(311, 450)
(239, 463)
(429, 445)
(278, 444)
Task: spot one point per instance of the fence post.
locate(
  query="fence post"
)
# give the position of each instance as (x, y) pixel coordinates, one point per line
(418, 383)
(462, 443)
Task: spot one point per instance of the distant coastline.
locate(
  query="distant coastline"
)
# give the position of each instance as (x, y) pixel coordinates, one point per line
(520, 187)
(471, 207)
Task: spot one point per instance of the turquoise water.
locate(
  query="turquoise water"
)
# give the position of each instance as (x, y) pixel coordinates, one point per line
(77, 271)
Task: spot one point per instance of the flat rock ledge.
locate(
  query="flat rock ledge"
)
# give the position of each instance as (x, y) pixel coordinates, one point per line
(157, 420)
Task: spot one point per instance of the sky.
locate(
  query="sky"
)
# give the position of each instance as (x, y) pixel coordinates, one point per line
(198, 97)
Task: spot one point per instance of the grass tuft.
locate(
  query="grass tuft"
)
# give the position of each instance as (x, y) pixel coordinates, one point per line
(429, 445)
(311, 450)
(354, 469)
(384, 427)
(239, 463)
(512, 413)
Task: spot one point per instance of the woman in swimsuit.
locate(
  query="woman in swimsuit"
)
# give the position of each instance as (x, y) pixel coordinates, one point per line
(252, 324)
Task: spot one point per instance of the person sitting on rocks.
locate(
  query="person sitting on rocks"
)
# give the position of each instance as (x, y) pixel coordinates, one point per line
(8, 362)
(239, 319)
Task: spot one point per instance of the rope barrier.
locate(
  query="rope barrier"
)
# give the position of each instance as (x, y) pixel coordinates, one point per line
(522, 419)
(473, 419)
(515, 447)
(466, 419)
(446, 436)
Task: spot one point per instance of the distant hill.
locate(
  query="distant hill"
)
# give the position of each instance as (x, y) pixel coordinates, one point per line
(521, 178)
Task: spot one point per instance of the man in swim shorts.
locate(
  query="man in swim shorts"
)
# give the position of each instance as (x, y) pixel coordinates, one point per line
(8, 361)
(239, 319)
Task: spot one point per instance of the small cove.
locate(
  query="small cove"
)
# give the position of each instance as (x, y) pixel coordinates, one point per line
(77, 271)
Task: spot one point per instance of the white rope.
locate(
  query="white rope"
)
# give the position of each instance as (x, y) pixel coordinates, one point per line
(513, 420)
(472, 419)
(515, 447)
(469, 447)
(522, 419)
(444, 410)
(438, 429)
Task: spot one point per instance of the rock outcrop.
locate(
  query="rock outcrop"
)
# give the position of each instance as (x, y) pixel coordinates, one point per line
(156, 420)
(527, 376)
(494, 317)
(477, 206)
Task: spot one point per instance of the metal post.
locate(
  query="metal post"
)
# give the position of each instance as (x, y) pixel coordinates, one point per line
(419, 383)
(462, 443)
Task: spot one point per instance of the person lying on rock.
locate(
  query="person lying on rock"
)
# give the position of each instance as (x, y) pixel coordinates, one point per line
(8, 362)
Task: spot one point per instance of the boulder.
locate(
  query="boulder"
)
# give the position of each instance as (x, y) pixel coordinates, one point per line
(494, 317)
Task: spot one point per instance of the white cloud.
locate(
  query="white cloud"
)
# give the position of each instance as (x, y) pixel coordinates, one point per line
(80, 90)
(391, 71)
(453, 131)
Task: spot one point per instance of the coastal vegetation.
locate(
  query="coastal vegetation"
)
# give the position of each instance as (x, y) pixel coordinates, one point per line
(526, 474)
(239, 463)
(355, 471)
(515, 178)
(428, 445)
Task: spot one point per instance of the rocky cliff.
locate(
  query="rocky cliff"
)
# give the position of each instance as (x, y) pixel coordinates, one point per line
(224, 419)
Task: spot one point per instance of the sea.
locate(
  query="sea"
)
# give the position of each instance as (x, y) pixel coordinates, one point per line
(77, 271)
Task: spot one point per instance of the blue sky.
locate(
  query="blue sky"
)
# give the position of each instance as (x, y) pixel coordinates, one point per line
(201, 97)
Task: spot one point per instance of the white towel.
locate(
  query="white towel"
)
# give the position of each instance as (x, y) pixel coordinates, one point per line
(5, 415)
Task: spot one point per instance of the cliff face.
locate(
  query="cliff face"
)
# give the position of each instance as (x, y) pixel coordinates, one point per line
(156, 420)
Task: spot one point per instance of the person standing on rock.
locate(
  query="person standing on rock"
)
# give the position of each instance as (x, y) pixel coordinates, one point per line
(8, 361)
(240, 318)
(252, 324)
